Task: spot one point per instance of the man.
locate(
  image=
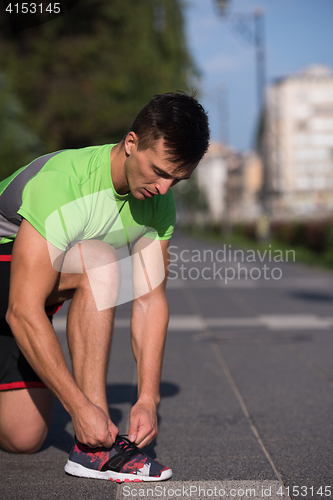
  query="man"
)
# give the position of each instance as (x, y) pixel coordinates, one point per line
(65, 221)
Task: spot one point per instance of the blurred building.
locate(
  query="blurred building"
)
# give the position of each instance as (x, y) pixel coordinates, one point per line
(244, 184)
(297, 141)
(212, 179)
(231, 182)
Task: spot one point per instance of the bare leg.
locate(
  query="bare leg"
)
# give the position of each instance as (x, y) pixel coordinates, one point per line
(89, 329)
(89, 340)
(25, 416)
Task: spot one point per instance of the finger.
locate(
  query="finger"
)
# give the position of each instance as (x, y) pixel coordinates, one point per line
(146, 440)
(146, 434)
(108, 441)
(133, 429)
(132, 436)
(113, 430)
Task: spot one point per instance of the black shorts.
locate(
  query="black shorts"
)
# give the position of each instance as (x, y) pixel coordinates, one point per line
(15, 371)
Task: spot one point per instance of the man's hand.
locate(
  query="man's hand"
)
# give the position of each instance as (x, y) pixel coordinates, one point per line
(143, 423)
(93, 427)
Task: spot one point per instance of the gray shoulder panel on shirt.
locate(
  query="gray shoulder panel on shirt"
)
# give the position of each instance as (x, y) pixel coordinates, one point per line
(11, 197)
(7, 228)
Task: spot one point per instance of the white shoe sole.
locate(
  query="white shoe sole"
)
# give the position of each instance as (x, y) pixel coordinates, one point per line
(79, 470)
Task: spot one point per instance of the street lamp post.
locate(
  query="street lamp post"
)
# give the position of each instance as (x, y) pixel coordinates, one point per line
(259, 23)
(223, 112)
(251, 27)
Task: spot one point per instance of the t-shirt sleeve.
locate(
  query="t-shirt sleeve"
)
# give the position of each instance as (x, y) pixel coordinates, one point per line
(165, 217)
(52, 203)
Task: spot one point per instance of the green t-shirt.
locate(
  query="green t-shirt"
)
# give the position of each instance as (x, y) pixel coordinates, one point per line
(69, 196)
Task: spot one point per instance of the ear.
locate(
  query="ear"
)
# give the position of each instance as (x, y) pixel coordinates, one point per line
(131, 141)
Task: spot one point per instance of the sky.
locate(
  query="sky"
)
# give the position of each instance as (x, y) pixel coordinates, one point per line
(298, 33)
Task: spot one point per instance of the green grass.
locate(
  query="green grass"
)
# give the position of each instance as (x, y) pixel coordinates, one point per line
(305, 255)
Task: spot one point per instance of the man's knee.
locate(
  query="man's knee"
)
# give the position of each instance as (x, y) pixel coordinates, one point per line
(23, 440)
(25, 417)
(89, 255)
(92, 266)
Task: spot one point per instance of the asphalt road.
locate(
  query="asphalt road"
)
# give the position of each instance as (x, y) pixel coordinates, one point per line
(247, 383)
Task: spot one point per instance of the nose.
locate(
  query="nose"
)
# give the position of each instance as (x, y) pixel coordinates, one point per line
(163, 185)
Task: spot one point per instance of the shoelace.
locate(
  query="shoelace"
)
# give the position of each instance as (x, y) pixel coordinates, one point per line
(125, 446)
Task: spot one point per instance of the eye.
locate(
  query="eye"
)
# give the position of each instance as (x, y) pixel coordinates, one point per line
(162, 174)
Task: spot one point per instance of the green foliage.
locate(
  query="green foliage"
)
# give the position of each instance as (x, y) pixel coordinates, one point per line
(189, 197)
(245, 230)
(83, 77)
(311, 239)
(243, 236)
(313, 235)
(18, 144)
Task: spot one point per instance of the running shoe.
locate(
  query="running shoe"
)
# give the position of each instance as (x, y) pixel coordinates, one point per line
(123, 462)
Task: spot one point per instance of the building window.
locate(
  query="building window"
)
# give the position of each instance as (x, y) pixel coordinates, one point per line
(312, 154)
(322, 124)
(304, 183)
(321, 139)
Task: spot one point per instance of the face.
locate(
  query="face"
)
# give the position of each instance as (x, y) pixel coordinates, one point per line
(149, 172)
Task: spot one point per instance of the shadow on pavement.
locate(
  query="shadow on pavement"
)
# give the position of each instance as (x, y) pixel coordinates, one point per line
(313, 296)
(117, 394)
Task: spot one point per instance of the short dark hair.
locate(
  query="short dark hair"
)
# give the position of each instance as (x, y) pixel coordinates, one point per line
(183, 123)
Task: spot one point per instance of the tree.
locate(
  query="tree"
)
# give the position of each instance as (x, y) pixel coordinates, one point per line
(18, 144)
(83, 77)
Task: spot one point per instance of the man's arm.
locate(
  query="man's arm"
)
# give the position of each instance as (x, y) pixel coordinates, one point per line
(150, 315)
(33, 280)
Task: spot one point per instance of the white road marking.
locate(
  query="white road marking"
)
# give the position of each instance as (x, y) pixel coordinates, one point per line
(299, 321)
(197, 323)
(288, 283)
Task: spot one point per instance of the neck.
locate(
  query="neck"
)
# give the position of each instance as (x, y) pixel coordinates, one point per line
(118, 176)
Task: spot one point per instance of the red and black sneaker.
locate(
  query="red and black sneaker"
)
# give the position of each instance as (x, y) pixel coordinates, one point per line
(123, 462)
